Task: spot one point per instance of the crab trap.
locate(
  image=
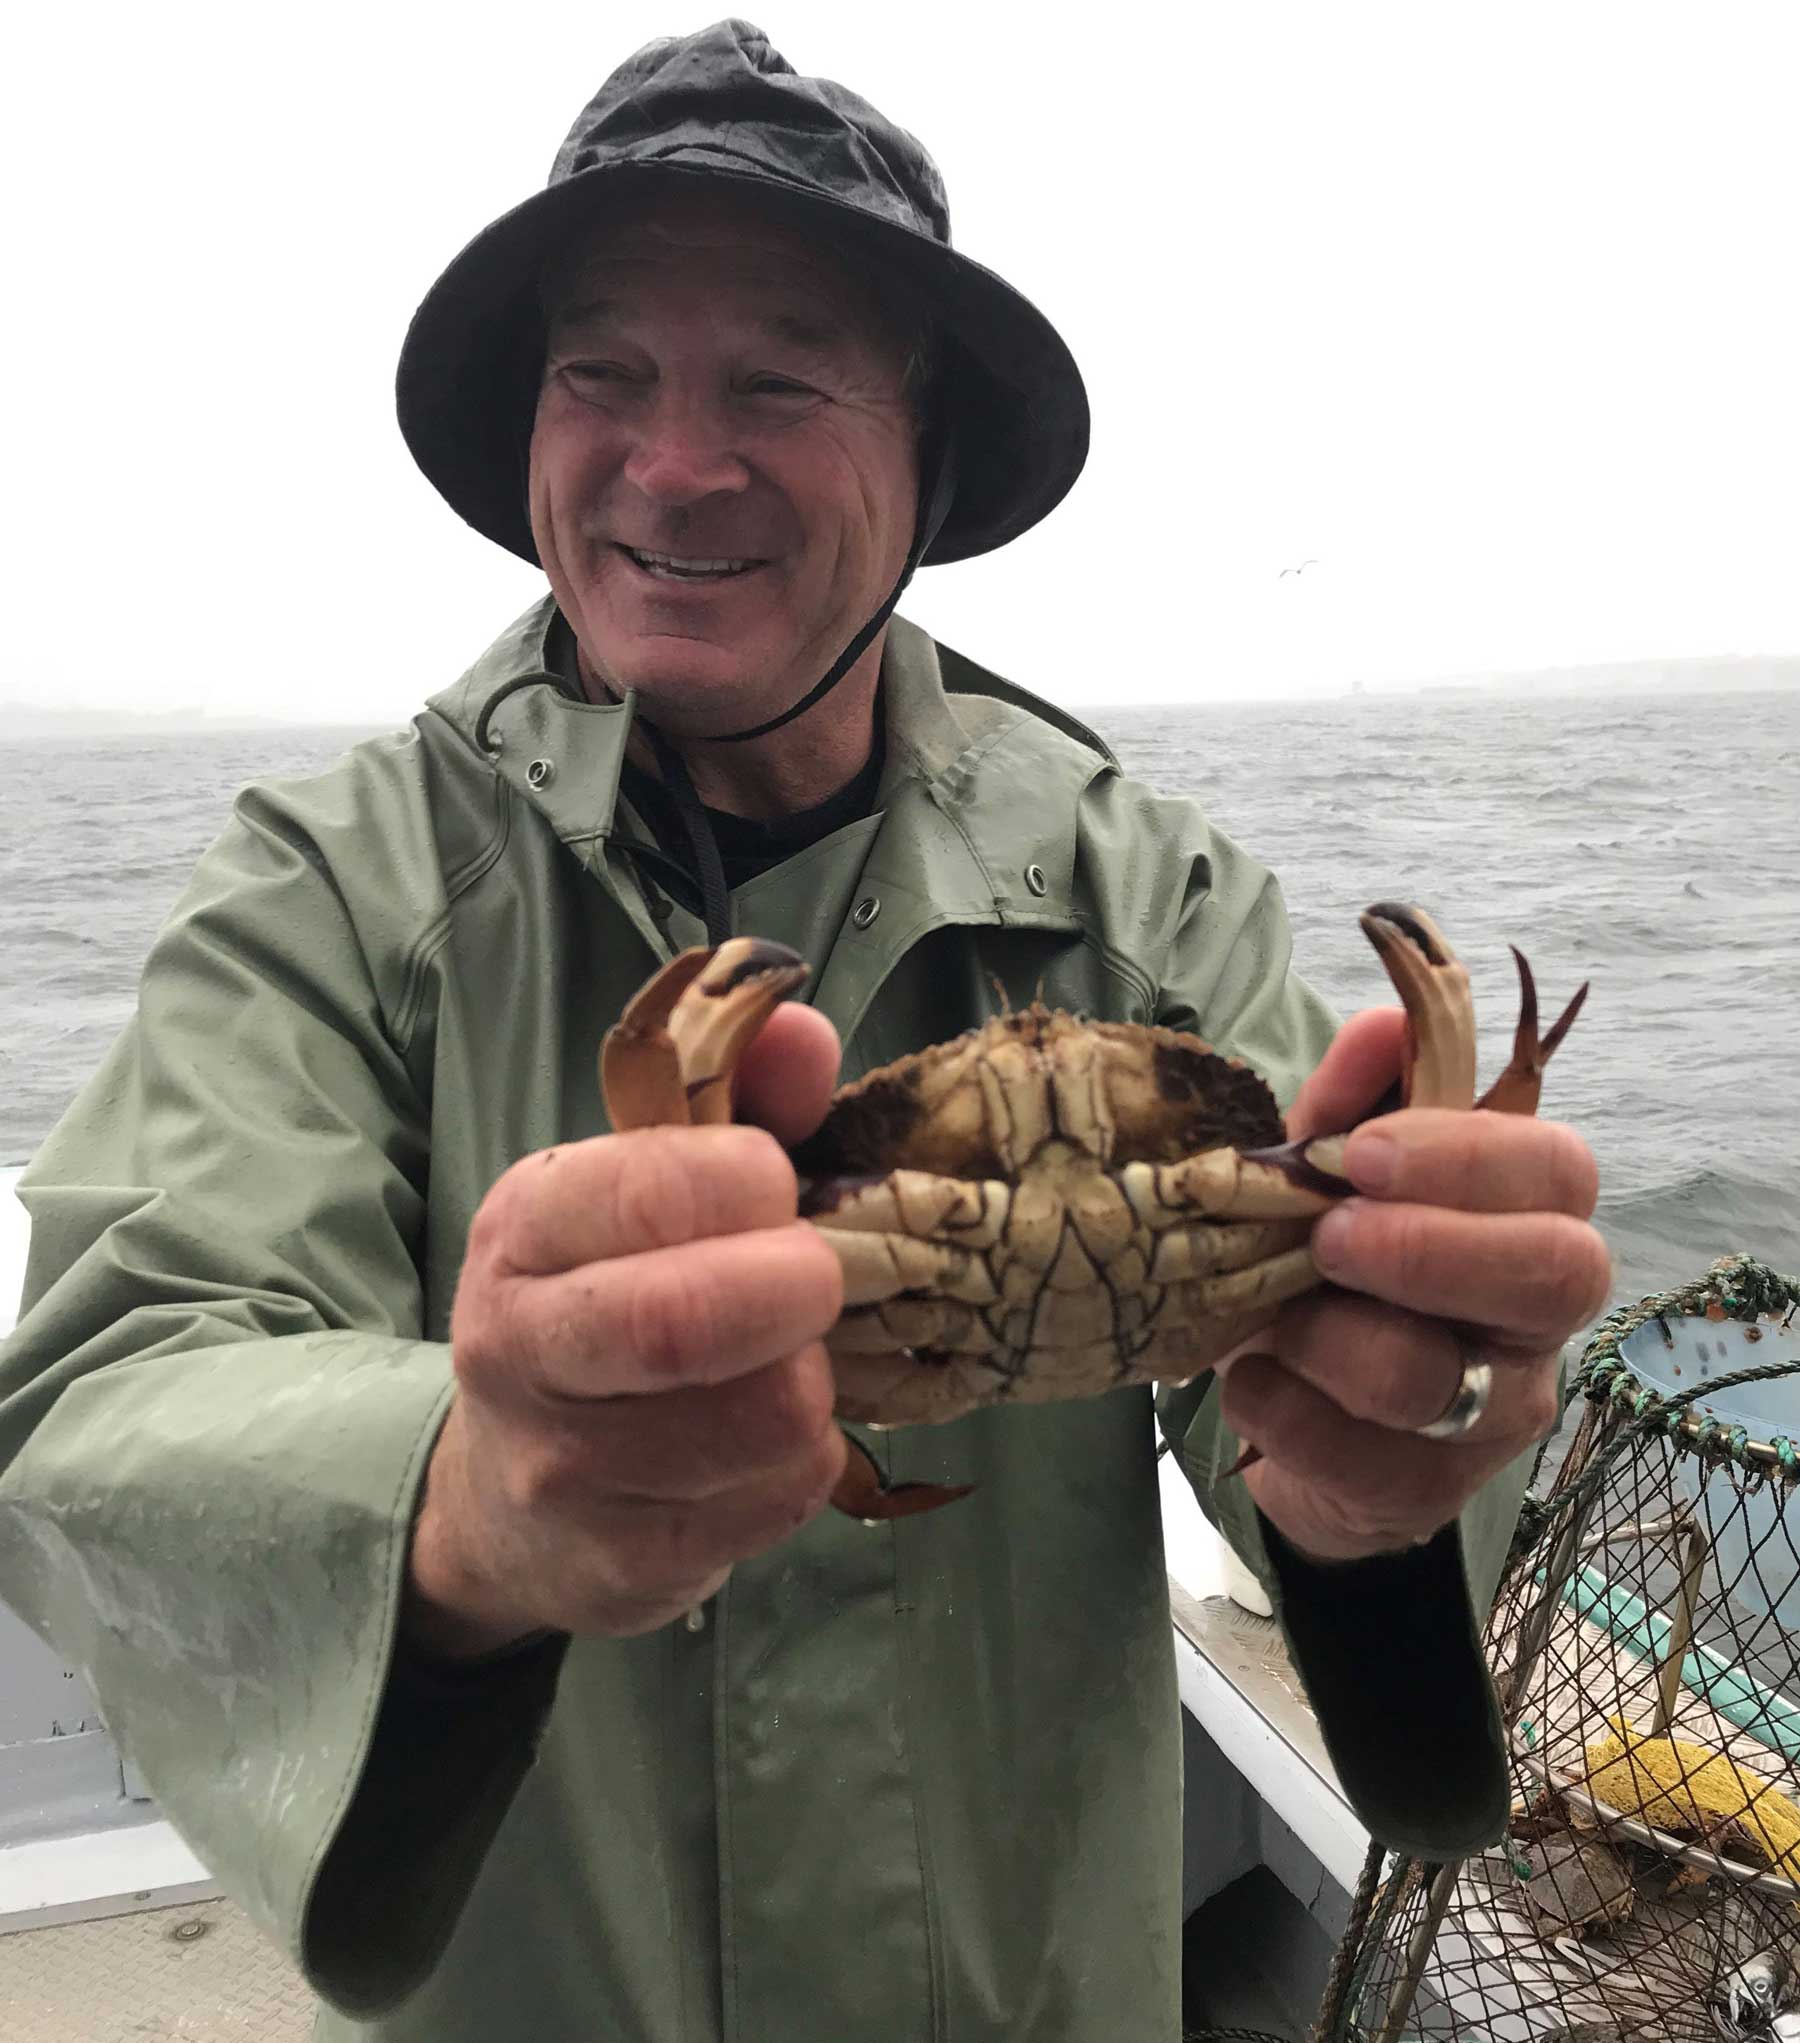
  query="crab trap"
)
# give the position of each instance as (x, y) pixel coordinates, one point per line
(1645, 1645)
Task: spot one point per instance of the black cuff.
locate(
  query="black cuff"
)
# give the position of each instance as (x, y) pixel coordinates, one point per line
(452, 1742)
(425, 1678)
(1391, 1657)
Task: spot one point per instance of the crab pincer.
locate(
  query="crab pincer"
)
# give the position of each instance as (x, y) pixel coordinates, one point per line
(669, 1061)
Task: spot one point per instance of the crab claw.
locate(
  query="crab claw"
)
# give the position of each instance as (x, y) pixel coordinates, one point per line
(670, 1058)
(1516, 1090)
(1433, 985)
(669, 1061)
(864, 1492)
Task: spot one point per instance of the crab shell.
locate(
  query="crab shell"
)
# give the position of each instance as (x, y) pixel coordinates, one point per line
(1048, 1207)
(1584, 1887)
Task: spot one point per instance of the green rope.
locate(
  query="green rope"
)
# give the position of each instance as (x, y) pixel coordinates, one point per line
(1736, 1287)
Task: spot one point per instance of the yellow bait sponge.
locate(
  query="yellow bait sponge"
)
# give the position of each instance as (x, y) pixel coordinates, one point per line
(1674, 1785)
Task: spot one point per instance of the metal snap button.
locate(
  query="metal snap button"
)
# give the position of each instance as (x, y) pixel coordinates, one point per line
(540, 773)
(1035, 880)
(865, 911)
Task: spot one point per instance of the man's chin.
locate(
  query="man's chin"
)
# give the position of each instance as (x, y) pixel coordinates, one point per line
(706, 693)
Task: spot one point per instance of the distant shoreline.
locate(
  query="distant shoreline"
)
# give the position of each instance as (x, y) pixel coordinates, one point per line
(23, 721)
(1736, 674)
(1716, 674)
(1443, 693)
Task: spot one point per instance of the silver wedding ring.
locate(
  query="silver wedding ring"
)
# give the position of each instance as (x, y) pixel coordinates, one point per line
(1467, 1407)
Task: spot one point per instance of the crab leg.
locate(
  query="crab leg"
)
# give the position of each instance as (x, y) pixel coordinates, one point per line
(669, 1061)
(1218, 1184)
(971, 1212)
(1084, 1319)
(896, 1385)
(879, 1264)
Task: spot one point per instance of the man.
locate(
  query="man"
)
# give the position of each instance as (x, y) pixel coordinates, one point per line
(376, 1418)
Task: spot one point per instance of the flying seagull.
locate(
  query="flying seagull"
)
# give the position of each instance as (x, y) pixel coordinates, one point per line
(1300, 570)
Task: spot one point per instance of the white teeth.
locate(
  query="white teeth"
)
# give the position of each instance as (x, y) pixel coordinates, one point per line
(679, 564)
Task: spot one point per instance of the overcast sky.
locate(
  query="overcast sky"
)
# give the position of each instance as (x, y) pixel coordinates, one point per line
(1488, 312)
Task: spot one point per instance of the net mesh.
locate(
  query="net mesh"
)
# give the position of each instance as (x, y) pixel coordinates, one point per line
(1648, 1887)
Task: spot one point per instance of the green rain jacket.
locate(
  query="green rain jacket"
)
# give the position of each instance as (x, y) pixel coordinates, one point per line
(917, 1783)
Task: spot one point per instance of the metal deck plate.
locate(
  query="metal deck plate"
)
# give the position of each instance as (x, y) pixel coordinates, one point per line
(200, 1974)
(1237, 1681)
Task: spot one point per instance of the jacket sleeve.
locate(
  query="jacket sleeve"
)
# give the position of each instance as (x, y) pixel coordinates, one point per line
(1389, 1649)
(217, 1406)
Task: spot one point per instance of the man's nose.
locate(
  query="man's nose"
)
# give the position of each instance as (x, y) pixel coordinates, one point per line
(683, 450)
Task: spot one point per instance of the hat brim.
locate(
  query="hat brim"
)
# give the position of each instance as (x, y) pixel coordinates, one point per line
(469, 368)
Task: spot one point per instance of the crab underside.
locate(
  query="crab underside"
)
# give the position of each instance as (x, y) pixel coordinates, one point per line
(1048, 1207)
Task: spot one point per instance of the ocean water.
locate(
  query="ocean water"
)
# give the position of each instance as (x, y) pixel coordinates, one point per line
(1650, 846)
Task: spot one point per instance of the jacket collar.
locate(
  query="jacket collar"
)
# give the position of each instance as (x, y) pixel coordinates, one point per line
(962, 745)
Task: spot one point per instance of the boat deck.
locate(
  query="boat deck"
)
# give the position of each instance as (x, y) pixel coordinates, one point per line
(200, 1972)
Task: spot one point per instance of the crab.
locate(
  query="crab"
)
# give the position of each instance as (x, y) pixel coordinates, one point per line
(1047, 1207)
(1583, 1889)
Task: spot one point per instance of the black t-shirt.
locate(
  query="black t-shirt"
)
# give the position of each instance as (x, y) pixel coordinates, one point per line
(747, 848)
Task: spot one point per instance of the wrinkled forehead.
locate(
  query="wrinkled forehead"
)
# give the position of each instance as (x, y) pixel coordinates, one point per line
(720, 241)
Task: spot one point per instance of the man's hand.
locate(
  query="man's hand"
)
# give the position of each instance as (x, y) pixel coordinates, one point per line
(643, 1395)
(1470, 1243)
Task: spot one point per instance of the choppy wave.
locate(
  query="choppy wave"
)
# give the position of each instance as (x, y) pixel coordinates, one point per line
(96, 841)
(1655, 852)
(1667, 1233)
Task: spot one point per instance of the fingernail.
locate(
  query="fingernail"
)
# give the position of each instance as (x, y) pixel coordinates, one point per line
(1331, 1237)
(1372, 1160)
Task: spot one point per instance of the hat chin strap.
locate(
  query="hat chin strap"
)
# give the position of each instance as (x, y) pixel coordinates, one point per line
(937, 492)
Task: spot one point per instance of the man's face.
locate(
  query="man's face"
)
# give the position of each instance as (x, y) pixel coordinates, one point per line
(723, 465)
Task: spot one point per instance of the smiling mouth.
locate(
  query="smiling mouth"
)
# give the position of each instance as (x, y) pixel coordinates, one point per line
(680, 567)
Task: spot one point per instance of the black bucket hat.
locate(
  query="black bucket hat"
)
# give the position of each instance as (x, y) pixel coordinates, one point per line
(724, 106)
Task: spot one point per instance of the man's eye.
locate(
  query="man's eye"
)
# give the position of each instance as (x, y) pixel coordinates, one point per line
(777, 386)
(593, 372)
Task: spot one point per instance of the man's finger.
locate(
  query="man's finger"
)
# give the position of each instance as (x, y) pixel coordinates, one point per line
(1478, 1163)
(648, 1544)
(619, 1195)
(1363, 1061)
(785, 1079)
(1341, 1488)
(1395, 1368)
(1307, 1429)
(1531, 1278)
(700, 1313)
(683, 1446)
